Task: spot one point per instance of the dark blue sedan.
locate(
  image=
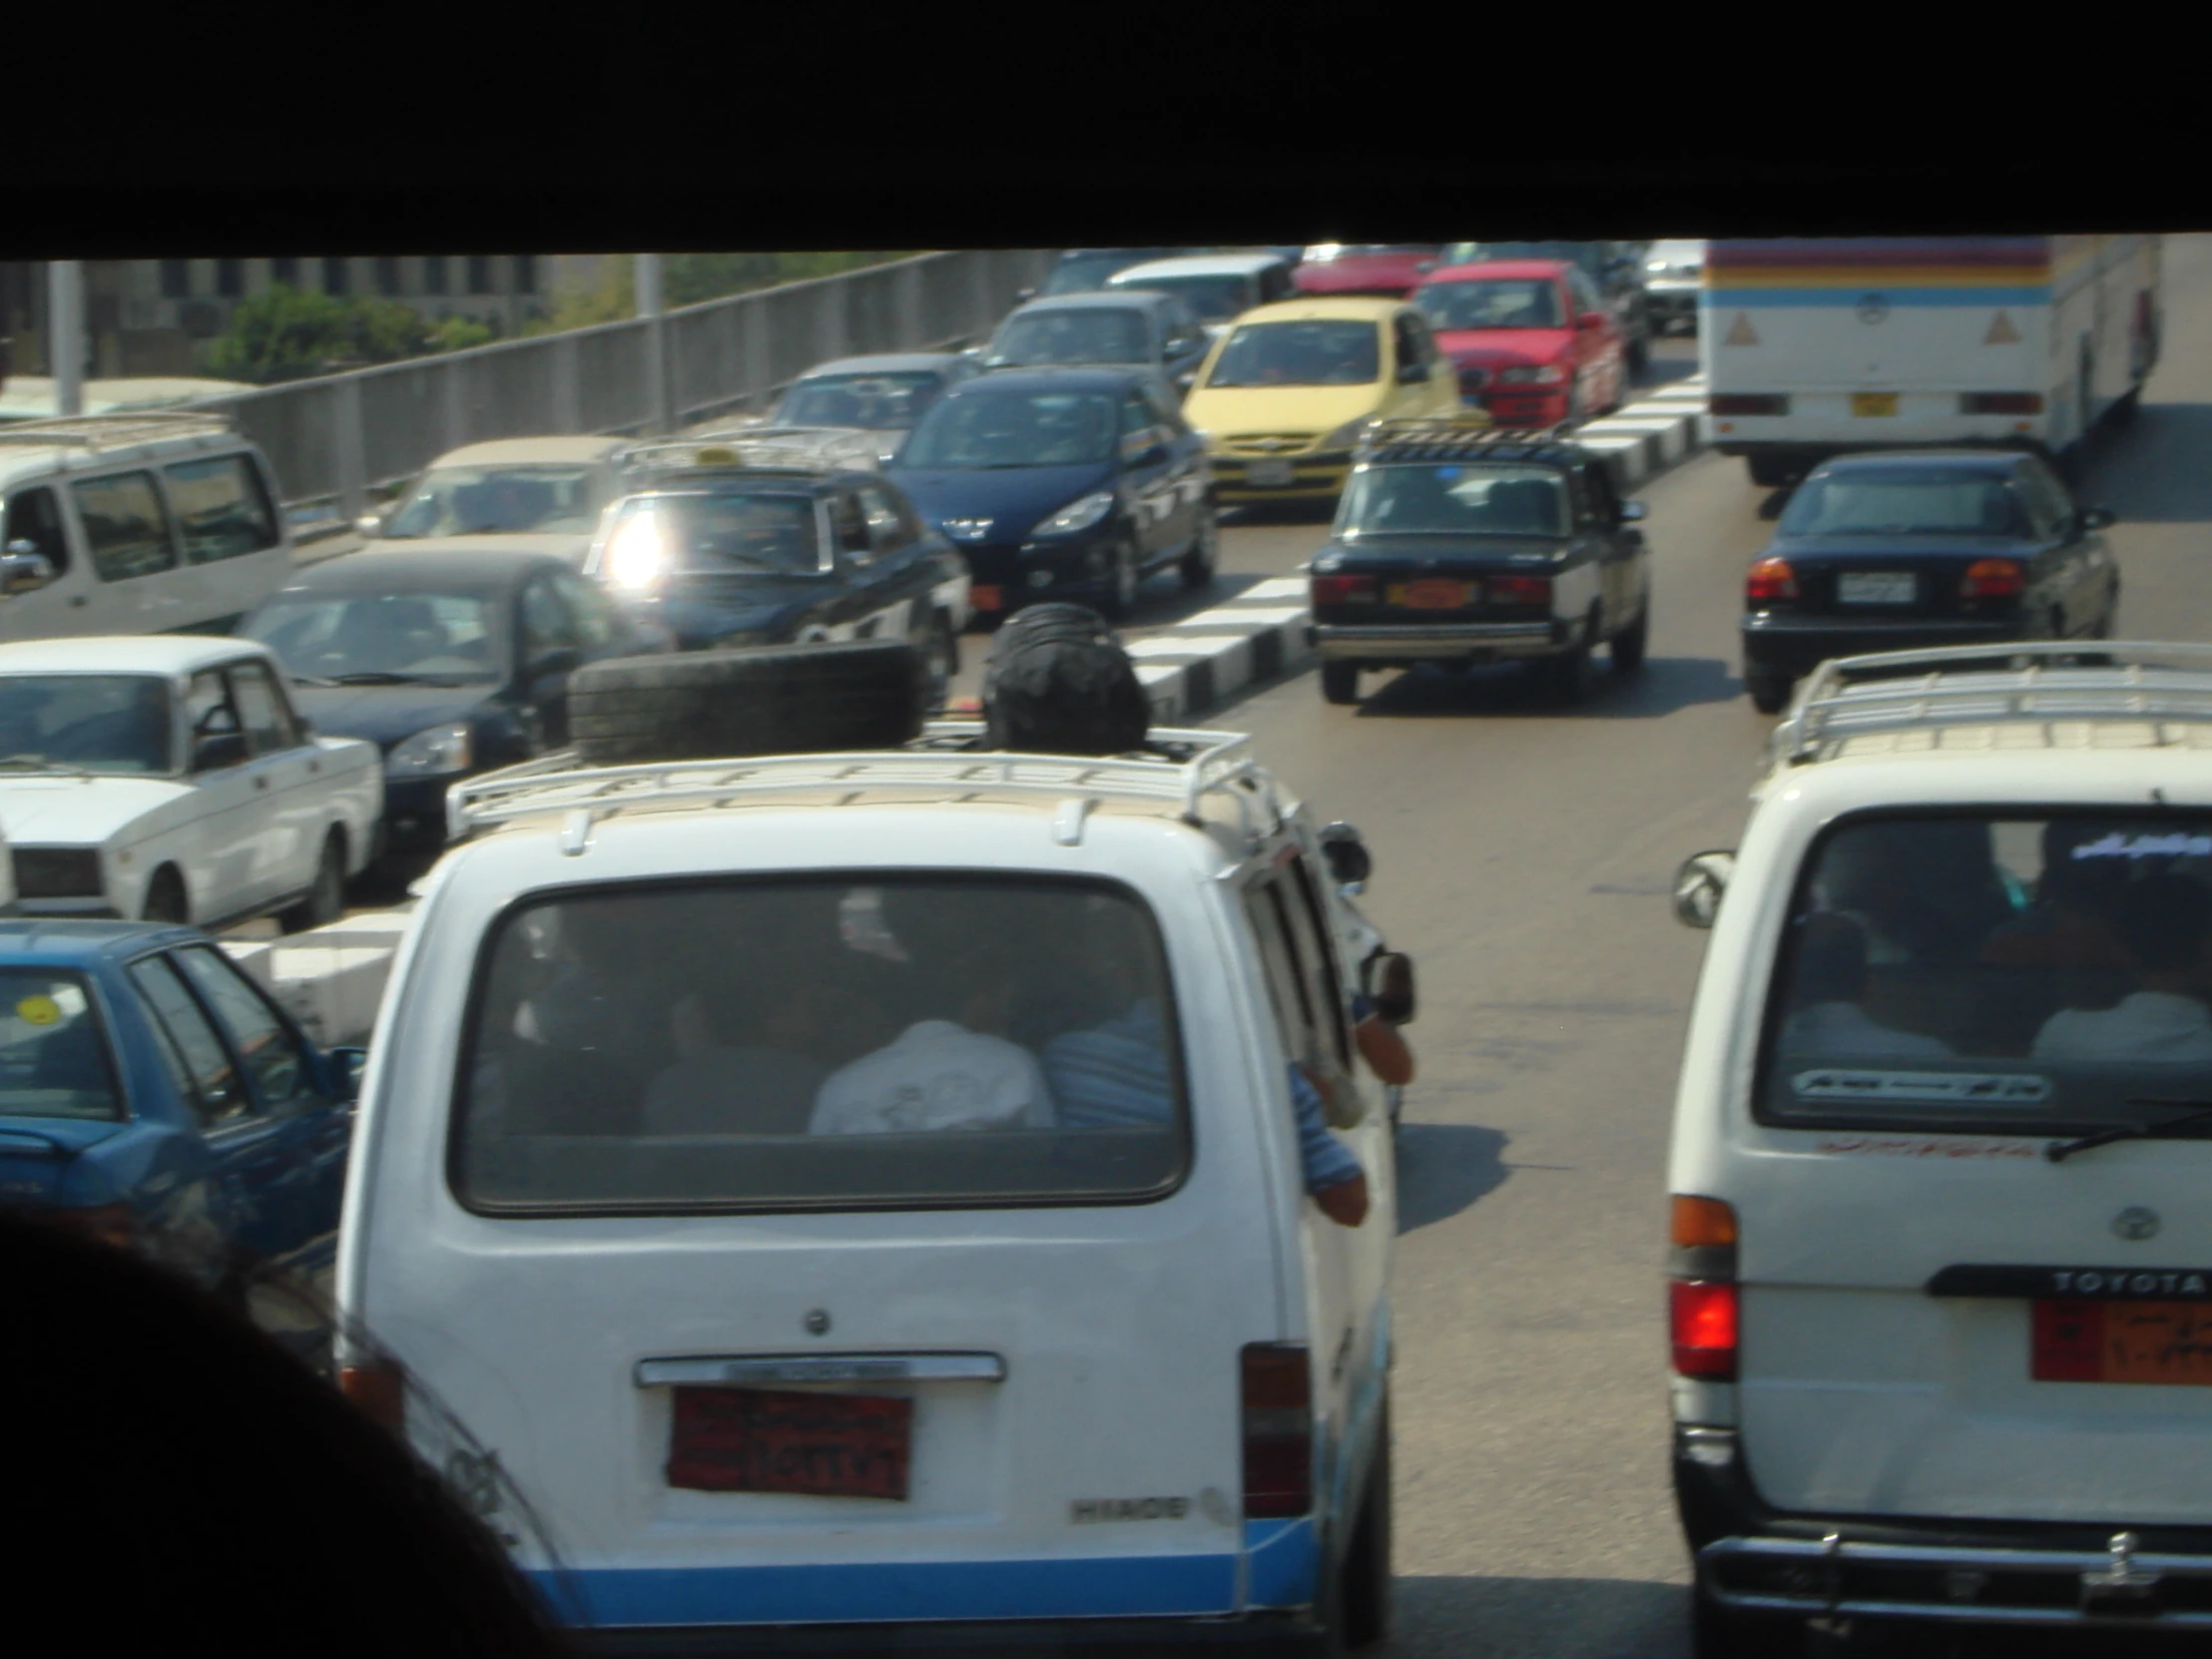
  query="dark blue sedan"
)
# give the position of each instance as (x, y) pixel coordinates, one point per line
(1064, 484)
(1899, 549)
(152, 1094)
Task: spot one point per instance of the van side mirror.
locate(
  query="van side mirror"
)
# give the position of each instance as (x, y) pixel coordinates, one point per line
(215, 751)
(24, 569)
(1698, 886)
(1389, 982)
(564, 659)
(1350, 863)
(1632, 512)
(1409, 374)
(347, 1066)
(1022, 296)
(2098, 518)
(1591, 321)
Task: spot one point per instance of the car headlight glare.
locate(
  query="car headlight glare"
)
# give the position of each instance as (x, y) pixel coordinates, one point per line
(1532, 374)
(1079, 515)
(432, 754)
(637, 555)
(1345, 436)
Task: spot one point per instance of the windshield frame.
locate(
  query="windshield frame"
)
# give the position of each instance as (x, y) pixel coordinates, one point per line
(103, 1033)
(177, 749)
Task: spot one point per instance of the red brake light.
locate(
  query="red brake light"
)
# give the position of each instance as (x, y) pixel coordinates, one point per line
(1277, 1430)
(1704, 1321)
(1994, 579)
(1344, 589)
(2000, 402)
(1521, 590)
(1771, 579)
(1748, 403)
(379, 1389)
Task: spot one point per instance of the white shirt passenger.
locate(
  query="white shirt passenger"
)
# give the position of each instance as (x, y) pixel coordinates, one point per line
(2150, 1025)
(1843, 1030)
(937, 1075)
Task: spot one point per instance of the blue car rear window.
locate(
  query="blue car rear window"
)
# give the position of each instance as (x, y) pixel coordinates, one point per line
(54, 1059)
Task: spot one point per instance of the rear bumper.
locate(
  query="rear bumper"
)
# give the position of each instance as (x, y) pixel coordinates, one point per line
(1797, 645)
(1011, 1638)
(1477, 642)
(1758, 1560)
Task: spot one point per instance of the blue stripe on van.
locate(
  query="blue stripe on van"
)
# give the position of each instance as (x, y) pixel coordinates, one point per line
(1847, 298)
(1285, 1557)
(1119, 1586)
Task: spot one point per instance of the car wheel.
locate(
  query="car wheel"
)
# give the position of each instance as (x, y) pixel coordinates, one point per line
(164, 898)
(765, 700)
(1768, 472)
(1639, 356)
(1768, 689)
(325, 900)
(940, 656)
(1200, 563)
(1629, 642)
(1366, 1596)
(1122, 584)
(1717, 1632)
(1570, 675)
(1339, 682)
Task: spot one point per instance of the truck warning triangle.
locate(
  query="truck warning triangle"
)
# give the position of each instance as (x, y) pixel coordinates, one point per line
(2001, 333)
(1741, 332)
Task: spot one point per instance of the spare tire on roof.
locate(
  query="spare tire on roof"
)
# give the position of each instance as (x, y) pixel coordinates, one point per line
(1058, 682)
(757, 699)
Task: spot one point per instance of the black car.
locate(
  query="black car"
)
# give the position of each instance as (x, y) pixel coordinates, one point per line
(881, 394)
(1900, 549)
(451, 662)
(1085, 269)
(775, 537)
(1463, 546)
(1615, 268)
(1142, 328)
(1070, 483)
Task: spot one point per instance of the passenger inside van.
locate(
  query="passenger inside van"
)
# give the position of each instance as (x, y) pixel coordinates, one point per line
(762, 1083)
(2164, 924)
(2070, 924)
(1828, 991)
(1923, 890)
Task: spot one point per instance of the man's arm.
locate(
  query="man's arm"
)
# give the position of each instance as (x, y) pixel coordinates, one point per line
(1332, 1173)
(1381, 1045)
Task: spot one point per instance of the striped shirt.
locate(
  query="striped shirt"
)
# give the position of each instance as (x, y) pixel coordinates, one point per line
(1116, 1076)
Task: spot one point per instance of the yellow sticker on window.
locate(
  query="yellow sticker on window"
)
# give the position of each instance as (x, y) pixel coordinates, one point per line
(39, 1010)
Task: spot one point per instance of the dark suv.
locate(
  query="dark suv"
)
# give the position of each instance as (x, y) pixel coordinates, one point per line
(1615, 268)
(1463, 546)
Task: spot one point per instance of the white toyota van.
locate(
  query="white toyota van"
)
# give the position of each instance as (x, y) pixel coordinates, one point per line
(761, 1336)
(137, 523)
(1942, 1284)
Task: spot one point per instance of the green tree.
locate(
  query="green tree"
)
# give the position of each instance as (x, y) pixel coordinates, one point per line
(291, 334)
(689, 278)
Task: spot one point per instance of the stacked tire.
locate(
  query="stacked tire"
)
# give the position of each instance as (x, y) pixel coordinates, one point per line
(761, 699)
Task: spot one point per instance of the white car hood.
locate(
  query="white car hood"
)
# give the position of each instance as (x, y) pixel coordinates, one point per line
(81, 812)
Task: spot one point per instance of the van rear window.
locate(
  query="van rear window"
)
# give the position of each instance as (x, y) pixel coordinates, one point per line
(1986, 974)
(906, 1042)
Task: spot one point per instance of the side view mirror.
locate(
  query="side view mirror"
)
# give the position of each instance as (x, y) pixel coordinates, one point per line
(370, 524)
(1389, 977)
(1411, 375)
(1632, 512)
(1350, 863)
(24, 569)
(1591, 321)
(1022, 296)
(348, 1064)
(214, 750)
(974, 353)
(1698, 886)
(2098, 518)
(564, 659)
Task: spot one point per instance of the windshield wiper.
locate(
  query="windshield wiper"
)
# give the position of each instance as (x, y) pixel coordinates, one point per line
(2199, 1112)
(39, 762)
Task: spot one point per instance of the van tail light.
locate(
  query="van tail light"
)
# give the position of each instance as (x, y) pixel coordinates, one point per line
(380, 1389)
(1771, 579)
(2000, 402)
(1748, 403)
(1703, 1307)
(1344, 589)
(1994, 579)
(1278, 1406)
(1521, 590)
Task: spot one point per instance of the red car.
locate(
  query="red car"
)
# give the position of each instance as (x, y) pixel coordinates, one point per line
(1533, 343)
(1339, 270)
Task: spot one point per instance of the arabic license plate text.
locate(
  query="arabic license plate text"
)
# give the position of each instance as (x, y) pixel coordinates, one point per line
(1432, 594)
(783, 1441)
(1268, 474)
(2122, 1342)
(1877, 587)
(1874, 402)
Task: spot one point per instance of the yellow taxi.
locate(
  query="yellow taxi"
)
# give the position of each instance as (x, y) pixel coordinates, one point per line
(1282, 398)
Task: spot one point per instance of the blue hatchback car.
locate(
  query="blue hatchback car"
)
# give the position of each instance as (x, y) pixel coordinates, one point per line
(152, 1094)
(1064, 484)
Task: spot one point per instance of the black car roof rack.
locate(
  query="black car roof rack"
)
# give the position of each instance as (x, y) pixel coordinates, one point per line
(1453, 439)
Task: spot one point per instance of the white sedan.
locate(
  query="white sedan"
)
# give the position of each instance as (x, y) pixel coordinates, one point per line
(168, 776)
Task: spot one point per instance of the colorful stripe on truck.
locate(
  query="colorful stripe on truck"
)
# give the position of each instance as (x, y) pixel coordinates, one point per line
(1901, 271)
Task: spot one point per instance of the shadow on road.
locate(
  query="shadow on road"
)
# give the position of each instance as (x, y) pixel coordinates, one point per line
(1277, 512)
(1663, 686)
(2152, 472)
(1443, 1168)
(1557, 1618)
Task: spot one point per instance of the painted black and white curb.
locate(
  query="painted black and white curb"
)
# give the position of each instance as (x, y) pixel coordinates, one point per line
(1210, 659)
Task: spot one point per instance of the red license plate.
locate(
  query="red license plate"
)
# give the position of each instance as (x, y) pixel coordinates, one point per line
(1433, 594)
(2122, 1342)
(985, 599)
(770, 1440)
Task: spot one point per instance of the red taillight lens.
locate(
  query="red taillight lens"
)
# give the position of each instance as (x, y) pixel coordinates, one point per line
(1521, 590)
(1771, 579)
(1703, 1320)
(379, 1389)
(1344, 589)
(1994, 579)
(1277, 1430)
(2000, 402)
(1748, 403)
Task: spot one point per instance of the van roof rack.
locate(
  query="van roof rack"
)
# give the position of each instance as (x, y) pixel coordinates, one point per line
(2036, 682)
(115, 431)
(760, 449)
(1188, 767)
(1455, 438)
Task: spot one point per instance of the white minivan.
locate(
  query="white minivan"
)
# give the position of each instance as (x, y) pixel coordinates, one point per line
(147, 522)
(764, 1336)
(1942, 1284)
